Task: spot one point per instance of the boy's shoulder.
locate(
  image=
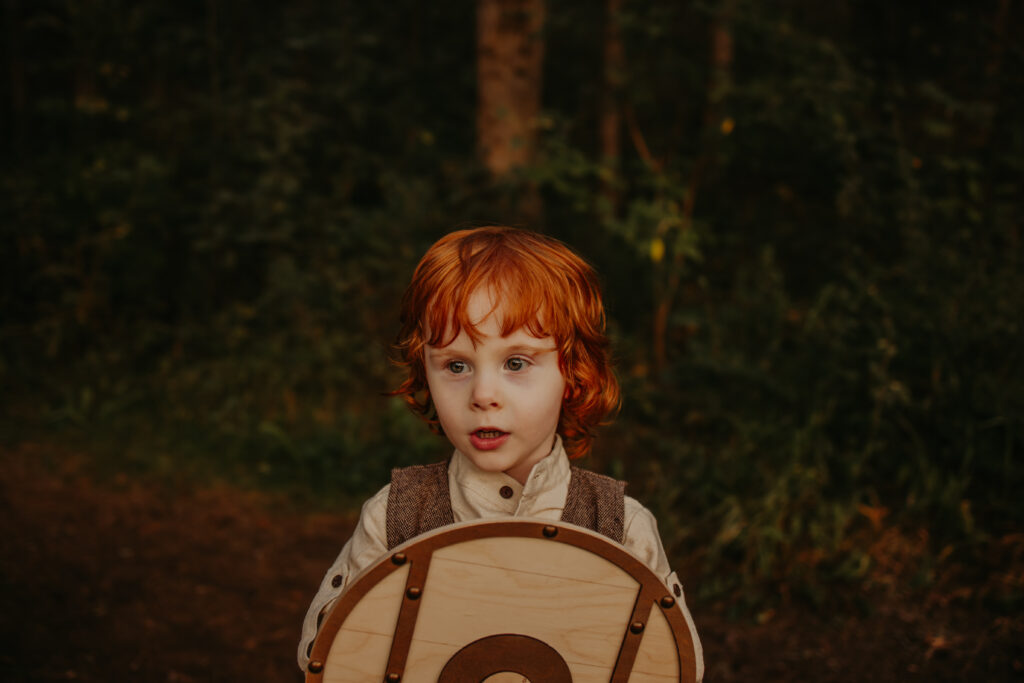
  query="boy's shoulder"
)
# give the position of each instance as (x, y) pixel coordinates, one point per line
(418, 501)
(591, 475)
(419, 481)
(597, 502)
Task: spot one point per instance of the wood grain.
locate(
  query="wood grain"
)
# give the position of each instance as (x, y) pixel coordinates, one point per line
(529, 586)
(568, 588)
(656, 660)
(360, 650)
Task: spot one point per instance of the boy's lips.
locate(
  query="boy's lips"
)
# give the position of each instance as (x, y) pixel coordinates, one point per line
(487, 438)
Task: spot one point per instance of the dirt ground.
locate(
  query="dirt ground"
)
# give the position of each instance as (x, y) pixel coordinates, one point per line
(135, 581)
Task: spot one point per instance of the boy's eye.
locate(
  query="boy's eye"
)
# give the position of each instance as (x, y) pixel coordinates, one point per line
(456, 367)
(515, 364)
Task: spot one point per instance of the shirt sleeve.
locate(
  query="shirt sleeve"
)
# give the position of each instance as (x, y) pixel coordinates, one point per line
(642, 539)
(367, 544)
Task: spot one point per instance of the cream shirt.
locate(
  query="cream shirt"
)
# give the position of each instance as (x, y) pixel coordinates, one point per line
(476, 494)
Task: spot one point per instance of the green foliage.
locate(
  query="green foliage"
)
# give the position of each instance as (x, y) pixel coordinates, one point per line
(844, 335)
(209, 213)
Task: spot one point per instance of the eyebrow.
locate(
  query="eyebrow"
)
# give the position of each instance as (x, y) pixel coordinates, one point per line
(531, 348)
(534, 349)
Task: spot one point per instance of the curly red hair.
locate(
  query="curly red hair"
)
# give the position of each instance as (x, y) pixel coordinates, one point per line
(543, 286)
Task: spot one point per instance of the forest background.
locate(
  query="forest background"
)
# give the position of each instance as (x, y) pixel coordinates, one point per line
(806, 217)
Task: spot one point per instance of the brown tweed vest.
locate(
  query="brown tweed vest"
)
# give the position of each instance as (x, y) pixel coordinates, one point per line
(419, 502)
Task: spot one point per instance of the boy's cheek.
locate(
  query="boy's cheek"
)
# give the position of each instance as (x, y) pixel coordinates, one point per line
(434, 385)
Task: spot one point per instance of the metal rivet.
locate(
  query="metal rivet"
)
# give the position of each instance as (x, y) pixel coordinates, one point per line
(413, 593)
(315, 666)
(550, 531)
(668, 601)
(393, 678)
(398, 559)
(636, 627)
(336, 581)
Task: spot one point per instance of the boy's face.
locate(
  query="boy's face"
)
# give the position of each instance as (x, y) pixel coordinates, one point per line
(498, 401)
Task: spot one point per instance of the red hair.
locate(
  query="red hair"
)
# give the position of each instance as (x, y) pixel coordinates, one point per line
(542, 286)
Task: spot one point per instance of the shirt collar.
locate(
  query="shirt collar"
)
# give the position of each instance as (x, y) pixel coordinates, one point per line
(494, 494)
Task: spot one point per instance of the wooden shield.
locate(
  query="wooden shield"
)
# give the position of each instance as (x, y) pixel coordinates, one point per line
(505, 600)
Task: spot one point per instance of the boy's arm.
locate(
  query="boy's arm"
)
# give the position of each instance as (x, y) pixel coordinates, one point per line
(367, 544)
(641, 537)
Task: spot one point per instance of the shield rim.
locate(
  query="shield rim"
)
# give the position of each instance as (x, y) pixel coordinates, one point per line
(418, 551)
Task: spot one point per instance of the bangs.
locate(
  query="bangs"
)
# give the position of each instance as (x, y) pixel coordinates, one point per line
(522, 297)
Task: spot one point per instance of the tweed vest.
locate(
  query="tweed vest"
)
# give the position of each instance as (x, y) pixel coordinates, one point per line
(418, 501)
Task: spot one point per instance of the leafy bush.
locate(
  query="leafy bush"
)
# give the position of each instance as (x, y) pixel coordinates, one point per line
(813, 271)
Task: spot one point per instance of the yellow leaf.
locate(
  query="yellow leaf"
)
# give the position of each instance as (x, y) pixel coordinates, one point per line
(657, 250)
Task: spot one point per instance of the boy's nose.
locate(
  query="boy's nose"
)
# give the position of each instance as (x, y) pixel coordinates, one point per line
(485, 393)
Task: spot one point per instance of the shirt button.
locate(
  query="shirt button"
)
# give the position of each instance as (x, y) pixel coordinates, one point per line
(506, 492)
(677, 590)
(336, 581)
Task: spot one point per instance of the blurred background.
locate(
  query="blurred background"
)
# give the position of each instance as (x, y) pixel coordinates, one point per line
(806, 217)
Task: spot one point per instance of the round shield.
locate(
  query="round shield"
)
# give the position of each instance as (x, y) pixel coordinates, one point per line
(505, 601)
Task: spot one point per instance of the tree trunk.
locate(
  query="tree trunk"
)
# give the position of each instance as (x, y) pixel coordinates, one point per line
(715, 123)
(510, 55)
(611, 116)
(16, 72)
(213, 61)
(991, 139)
(721, 60)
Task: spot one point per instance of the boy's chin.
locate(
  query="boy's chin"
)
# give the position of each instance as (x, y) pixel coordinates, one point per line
(487, 464)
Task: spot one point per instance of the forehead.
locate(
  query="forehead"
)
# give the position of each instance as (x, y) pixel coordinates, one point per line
(487, 312)
(483, 304)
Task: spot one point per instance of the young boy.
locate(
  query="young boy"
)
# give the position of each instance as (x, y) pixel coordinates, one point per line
(503, 337)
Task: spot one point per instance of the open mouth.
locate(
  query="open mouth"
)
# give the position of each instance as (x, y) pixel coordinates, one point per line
(488, 438)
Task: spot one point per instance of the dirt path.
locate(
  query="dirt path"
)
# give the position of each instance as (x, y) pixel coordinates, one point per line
(133, 582)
